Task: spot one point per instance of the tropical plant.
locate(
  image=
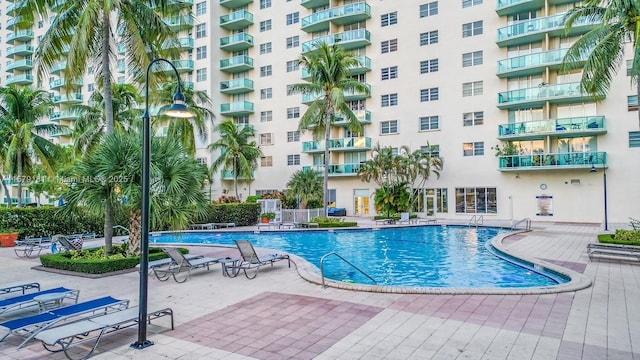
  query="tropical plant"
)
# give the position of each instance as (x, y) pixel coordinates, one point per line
(20, 109)
(111, 174)
(415, 169)
(237, 153)
(268, 215)
(600, 52)
(305, 186)
(328, 67)
(186, 130)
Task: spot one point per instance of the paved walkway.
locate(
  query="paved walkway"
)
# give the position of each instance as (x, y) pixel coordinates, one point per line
(278, 315)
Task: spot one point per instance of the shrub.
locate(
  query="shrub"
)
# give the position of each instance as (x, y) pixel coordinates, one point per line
(332, 222)
(242, 214)
(621, 237)
(251, 199)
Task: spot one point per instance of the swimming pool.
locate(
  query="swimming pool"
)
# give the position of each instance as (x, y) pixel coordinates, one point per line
(423, 256)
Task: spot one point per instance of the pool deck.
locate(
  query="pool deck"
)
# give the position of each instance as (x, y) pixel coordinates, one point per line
(278, 315)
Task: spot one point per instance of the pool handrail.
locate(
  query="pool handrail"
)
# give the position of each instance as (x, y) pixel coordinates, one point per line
(476, 220)
(526, 221)
(345, 260)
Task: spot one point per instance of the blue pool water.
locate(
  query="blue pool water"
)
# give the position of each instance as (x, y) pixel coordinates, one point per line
(424, 256)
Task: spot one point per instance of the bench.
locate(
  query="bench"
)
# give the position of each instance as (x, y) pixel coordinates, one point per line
(620, 252)
(31, 245)
(64, 337)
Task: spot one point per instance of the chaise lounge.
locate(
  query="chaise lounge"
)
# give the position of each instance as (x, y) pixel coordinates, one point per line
(251, 260)
(31, 299)
(613, 252)
(180, 267)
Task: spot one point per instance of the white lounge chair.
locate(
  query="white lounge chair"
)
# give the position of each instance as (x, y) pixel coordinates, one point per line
(251, 260)
(181, 265)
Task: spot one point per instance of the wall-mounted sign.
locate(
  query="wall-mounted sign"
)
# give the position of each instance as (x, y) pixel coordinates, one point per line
(544, 205)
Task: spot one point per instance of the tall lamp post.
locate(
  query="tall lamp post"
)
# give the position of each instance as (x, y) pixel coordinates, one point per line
(604, 182)
(178, 109)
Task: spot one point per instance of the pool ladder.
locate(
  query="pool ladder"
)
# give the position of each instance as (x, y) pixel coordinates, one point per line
(476, 220)
(525, 221)
(345, 260)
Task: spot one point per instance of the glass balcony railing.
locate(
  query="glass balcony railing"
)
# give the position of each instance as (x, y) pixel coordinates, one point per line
(182, 65)
(552, 161)
(63, 115)
(349, 40)
(57, 67)
(349, 95)
(177, 23)
(343, 144)
(71, 98)
(312, 4)
(228, 175)
(24, 64)
(555, 93)
(20, 50)
(527, 31)
(582, 125)
(21, 35)
(236, 42)
(22, 79)
(508, 7)
(234, 4)
(183, 43)
(335, 169)
(363, 66)
(341, 15)
(56, 83)
(530, 63)
(236, 86)
(236, 64)
(236, 20)
(237, 108)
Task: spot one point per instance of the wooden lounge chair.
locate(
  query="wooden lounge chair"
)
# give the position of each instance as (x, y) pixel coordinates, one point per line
(180, 267)
(91, 330)
(251, 260)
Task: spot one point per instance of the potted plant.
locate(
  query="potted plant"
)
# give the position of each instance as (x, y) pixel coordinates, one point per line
(266, 217)
(8, 237)
(507, 151)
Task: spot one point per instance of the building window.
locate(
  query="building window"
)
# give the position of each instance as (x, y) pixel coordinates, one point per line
(472, 59)
(201, 52)
(428, 66)
(389, 100)
(293, 65)
(389, 19)
(472, 88)
(293, 18)
(293, 159)
(266, 161)
(201, 74)
(472, 200)
(634, 139)
(265, 4)
(293, 112)
(428, 123)
(473, 118)
(389, 73)
(265, 71)
(432, 150)
(389, 127)
(266, 139)
(265, 25)
(201, 30)
(265, 48)
(293, 136)
(428, 38)
(266, 116)
(473, 148)
(293, 41)
(429, 9)
(469, 3)
(289, 89)
(201, 8)
(431, 94)
(472, 29)
(266, 93)
(90, 87)
(389, 46)
(120, 79)
(632, 102)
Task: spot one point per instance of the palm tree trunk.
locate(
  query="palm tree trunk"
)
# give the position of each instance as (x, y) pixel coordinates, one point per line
(325, 185)
(638, 96)
(135, 225)
(235, 176)
(6, 191)
(108, 228)
(19, 166)
(106, 74)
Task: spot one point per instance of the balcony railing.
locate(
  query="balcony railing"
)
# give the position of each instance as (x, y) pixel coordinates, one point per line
(530, 63)
(236, 86)
(22, 79)
(237, 108)
(312, 4)
(177, 23)
(21, 35)
(335, 169)
(528, 31)
(56, 83)
(348, 95)
(236, 42)
(341, 15)
(349, 40)
(183, 43)
(552, 161)
(582, 125)
(181, 65)
(228, 175)
(234, 4)
(20, 50)
(364, 65)
(508, 7)
(344, 144)
(57, 67)
(71, 98)
(24, 64)
(63, 115)
(236, 64)
(236, 20)
(537, 96)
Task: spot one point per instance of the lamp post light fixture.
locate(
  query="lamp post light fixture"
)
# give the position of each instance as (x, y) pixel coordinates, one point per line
(604, 182)
(180, 110)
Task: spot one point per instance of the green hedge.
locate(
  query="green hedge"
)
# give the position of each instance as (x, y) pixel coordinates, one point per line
(242, 214)
(332, 222)
(66, 261)
(621, 237)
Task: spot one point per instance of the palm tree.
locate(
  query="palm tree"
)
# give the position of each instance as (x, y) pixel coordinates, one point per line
(328, 67)
(198, 102)
(379, 168)
(416, 169)
(3, 151)
(305, 186)
(237, 153)
(604, 46)
(85, 32)
(20, 109)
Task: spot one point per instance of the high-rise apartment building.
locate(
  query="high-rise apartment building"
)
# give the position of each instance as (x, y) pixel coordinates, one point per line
(457, 78)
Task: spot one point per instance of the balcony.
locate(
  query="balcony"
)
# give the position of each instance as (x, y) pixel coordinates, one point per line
(534, 30)
(234, 4)
(74, 98)
(552, 161)
(364, 65)
(182, 44)
(12, 22)
(341, 15)
(23, 79)
(236, 64)
(58, 132)
(237, 108)
(312, 4)
(335, 170)
(21, 35)
(343, 144)
(349, 40)
(364, 116)
(236, 42)
(510, 7)
(537, 96)
(63, 115)
(23, 65)
(348, 95)
(179, 23)
(20, 50)
(228, 175)
(182, 66)
(236, 86)
(58, 67)
(563, 127)
(236, 20)
(13, 6)
(58, 83)
(530, 64)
